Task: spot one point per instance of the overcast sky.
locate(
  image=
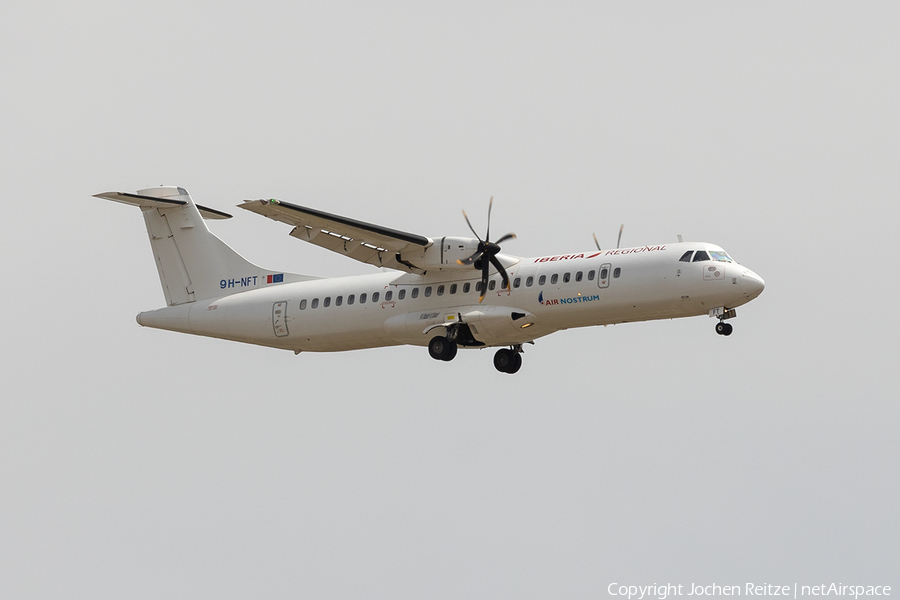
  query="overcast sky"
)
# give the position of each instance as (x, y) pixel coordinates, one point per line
(137, 463)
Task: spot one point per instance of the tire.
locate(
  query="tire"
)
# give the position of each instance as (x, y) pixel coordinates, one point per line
(502, 359)
(452, 349)
(516, 363)
(440, 348)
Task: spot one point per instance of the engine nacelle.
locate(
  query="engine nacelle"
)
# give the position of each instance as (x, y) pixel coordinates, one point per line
(443, 254)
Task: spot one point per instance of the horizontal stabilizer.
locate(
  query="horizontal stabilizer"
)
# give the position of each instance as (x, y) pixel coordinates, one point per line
(151, 202)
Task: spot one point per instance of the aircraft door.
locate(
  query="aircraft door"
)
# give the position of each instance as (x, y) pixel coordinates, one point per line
(604, 275)
(279, 319)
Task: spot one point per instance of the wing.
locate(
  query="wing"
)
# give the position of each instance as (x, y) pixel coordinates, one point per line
(365, 242)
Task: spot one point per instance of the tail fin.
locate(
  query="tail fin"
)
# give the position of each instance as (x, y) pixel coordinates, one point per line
(193, 263)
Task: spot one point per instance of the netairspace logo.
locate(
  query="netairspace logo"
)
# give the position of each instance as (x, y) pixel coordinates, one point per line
(661, 592)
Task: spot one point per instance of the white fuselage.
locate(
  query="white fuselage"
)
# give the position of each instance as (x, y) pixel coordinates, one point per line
(547, 294)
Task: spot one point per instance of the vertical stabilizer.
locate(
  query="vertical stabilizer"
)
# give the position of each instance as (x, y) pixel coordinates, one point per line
(193, 263)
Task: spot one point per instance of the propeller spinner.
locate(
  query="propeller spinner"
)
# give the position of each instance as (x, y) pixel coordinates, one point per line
(487, 253)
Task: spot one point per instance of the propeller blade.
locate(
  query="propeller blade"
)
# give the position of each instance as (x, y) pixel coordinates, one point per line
(471, 259)
(508, 236)
(487, 236)
(596, 242)
(485, 273)
(469, 223)
(619, 241)
(502, 271)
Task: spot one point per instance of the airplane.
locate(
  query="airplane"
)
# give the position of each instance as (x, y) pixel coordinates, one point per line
(445, 293)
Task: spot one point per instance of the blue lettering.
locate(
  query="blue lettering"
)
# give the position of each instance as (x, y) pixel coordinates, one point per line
(222, 284)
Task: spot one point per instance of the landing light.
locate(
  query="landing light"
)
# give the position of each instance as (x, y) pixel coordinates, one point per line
(527, 325)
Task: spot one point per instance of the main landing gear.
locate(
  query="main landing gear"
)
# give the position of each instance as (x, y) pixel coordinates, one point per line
(723, 328)
(506, 360)
(440, 348)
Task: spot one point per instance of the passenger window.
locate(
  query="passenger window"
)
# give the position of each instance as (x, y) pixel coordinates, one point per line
(401, 294)
(375, 296)
(452, 288)
(440, 290)
(590, 275)
(567, 277)
(686, 257)
(542, 280)
(604, 273)
(362, 298)
(478, 287)
(554, 278)
(530, 281)
(466, 287)
(578, 276)
(351, 299)
(339, 300)
(428, 291)
(492, 285)
(616, 272)
(303, 305)
(315, 303)
(415, 293)
(517, 282)
(701, 255)
(327, 302)
(388, 295)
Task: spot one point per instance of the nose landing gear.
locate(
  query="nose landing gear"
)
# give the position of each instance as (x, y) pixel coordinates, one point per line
(723, 328)
(722, 313)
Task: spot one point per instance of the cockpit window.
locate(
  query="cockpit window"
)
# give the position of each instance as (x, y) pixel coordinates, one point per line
(686, 257)
(701, 255)
(720, 256)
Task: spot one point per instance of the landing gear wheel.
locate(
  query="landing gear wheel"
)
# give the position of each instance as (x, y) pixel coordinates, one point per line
(440, 348)
(451, 352)
(507, 361)
(723, 328)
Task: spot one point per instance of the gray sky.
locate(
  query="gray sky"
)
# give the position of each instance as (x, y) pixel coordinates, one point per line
(137, 463)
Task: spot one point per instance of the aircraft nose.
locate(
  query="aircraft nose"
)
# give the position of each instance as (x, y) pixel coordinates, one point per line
(752, 284)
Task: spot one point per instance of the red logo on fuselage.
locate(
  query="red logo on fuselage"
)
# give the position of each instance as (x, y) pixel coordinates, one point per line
(616, 252)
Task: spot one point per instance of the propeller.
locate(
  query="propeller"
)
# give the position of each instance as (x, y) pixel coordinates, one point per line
(487, 253)
(618, 242)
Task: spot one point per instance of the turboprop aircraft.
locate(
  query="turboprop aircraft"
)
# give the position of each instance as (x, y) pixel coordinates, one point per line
(443, 293)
